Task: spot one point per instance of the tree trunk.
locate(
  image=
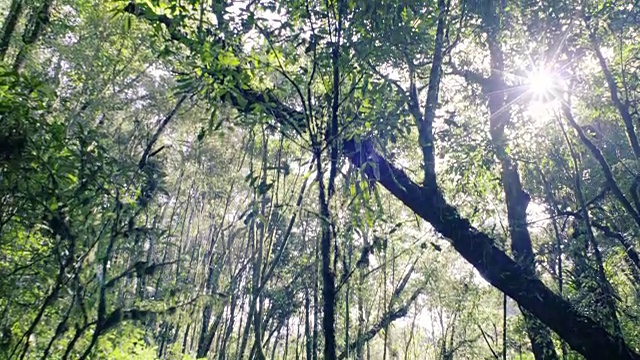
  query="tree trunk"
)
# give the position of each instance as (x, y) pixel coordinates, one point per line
(601, 279)
(38, 21)
(328, 279)
(581, 333)
(307, 324)
(10, 22)
(516, 198)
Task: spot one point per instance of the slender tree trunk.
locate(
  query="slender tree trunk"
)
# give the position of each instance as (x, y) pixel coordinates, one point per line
(361, 315)
(286, 341)
(316, 302)
(61, 229)
(244, 339)
(504, 327)
(163, 339)
(230, 323)
(185, 337)
(62, 327)
(621, 106)
(385, 303)
(326, 192)
(411, 333)
(214, 264)
(257, 256)
(307, 324)
(425, 128)
(328, 279)
(35, 28)
(347, 295)
(9, 27)
(604, 283)
(604, 166)
(517, 200)
(298, 339)
(558, 247)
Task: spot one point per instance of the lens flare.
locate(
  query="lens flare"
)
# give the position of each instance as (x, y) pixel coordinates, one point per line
(544, 89)
(541, 83)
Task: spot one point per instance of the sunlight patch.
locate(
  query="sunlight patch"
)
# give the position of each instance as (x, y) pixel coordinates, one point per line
(542, 83)
(544, 88)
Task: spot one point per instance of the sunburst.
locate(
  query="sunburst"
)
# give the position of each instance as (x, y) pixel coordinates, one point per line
(543, 92)
(542, 83)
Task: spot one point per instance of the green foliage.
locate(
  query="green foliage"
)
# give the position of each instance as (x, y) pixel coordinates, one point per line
(129, 231)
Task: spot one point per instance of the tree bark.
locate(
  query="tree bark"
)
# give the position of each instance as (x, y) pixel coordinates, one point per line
(9, 27)
(31, 35)
(605, 285)
(581, 333)
(517, 200)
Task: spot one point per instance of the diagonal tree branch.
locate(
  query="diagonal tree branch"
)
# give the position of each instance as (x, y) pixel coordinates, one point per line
(581, 333)
(147, 150)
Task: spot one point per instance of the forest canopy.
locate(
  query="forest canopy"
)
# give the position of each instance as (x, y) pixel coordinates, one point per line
(337, 179)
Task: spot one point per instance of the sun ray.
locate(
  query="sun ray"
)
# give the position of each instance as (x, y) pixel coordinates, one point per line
(509, 104)
(542, 82)
(538, 87)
